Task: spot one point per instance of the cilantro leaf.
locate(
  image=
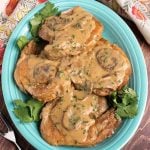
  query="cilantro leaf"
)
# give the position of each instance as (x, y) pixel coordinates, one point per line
(19, 102)
(35, 108)
(35, 23)
(125, 102)
(47, 11)
(121, 112)
(131, 110)
(28, 111)
(22, 41)
(23, 114)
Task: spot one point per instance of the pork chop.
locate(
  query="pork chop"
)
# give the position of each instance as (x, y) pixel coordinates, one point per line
(78, 122)
(36, 75)
(70, 33)
(103, 70)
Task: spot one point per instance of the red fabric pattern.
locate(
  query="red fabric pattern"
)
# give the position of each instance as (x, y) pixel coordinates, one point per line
(11, 6)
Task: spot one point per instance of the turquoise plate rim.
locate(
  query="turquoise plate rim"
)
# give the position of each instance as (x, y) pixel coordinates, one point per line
(144, 81)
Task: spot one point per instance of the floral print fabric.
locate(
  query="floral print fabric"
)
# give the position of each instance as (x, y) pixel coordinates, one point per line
(136, 10)
(11, 12)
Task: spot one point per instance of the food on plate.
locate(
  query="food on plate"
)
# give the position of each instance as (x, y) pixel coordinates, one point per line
(22, 41)
(71, 33)
(78, 119)
(28, 111)
(36, 75)
(76, 76)
(125, 102)
(36, 21)
(103, 70)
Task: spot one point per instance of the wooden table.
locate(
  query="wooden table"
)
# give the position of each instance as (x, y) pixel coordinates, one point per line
(140, 141)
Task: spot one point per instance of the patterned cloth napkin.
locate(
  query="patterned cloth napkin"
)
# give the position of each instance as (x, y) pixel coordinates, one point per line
(136, 10)
(12, 11)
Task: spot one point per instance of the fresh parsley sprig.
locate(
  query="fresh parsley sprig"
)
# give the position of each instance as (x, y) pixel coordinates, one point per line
(125, 101)
(28, 111)
(35, 23)
(47, 11)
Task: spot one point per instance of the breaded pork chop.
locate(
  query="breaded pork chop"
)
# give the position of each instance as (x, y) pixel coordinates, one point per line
(103, 70)
(70, 33)
(36, 75)
(78, 122)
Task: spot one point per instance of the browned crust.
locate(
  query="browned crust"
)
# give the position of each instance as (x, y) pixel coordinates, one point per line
(90, 43)
(105, 126)
(44, 34)
(19, 74)
(96, 32)
(107, 91)
(21, 67)
(29, 49)
(48, 131)
(43, 92)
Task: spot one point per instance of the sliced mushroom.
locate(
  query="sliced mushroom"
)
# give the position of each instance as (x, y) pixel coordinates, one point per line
(75, 127)
(64, 35)
(44, 72)
(103, 70)
(106, 59)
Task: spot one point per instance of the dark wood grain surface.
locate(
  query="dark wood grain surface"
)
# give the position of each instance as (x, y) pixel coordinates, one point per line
(141, 139)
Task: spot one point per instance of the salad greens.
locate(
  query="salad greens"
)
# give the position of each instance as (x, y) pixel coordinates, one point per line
(28, 111)
(125, 102)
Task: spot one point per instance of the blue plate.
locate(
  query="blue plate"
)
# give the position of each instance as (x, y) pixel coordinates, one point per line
(117, 32)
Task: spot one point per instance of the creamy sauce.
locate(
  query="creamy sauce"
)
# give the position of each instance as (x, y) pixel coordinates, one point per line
(71, 37)
(71, 114)
(87, 71)
(41, 71)
(74, 111)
